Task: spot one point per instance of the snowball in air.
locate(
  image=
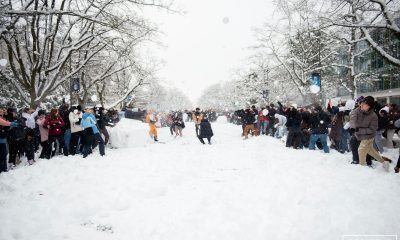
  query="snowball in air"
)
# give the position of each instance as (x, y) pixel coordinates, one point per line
(94, 98)
(3, 62)
(225, 20)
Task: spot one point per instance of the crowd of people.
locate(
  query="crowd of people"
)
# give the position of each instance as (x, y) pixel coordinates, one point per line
(361, 127)
(65, 130)
(357, 126)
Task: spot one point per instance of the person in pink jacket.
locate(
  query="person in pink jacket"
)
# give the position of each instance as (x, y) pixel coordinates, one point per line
(44, 135)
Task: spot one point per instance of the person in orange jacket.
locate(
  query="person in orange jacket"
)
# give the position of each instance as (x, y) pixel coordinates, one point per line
(151, 119)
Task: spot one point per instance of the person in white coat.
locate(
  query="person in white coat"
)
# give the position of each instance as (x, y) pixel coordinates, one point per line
(280, 125)
(75, 118)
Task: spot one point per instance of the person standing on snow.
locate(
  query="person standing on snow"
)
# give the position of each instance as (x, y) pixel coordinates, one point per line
(91, 133)
(151, 119)
(4, 125)
(205, 130)
(364, 123)
(197, 116)
(178, 123)
(319, 128)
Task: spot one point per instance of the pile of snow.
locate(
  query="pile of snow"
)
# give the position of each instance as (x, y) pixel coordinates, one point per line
(129, 133)
(222, 119)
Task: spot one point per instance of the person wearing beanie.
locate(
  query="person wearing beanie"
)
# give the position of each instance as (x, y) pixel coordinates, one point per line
(364, 124)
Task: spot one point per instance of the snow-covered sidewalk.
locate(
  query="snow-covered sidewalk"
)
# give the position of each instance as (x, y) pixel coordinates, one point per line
(181, 190)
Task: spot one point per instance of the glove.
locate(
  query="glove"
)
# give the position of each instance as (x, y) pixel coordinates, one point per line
(14, 125)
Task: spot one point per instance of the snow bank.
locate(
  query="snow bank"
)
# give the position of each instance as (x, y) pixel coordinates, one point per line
(129, 133)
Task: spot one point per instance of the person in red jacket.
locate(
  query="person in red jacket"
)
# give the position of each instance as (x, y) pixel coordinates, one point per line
(54, 123)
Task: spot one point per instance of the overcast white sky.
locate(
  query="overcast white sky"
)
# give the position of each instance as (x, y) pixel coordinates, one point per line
(208, 41)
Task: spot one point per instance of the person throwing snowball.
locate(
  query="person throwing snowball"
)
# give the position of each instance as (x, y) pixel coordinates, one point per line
(151, 119)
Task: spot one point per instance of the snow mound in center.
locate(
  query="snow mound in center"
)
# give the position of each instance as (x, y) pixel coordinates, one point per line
(129, 133)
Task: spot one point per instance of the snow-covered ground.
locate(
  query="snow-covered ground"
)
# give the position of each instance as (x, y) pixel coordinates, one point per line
(181, 190)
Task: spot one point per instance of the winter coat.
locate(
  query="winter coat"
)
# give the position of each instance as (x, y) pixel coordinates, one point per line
(88, 123)
(4, 126)
(262, 118)
(30, 118)
(55, 124)
(178, 122)
(249, 118)
(44, 132)
(320, 122)
(293, 120)
(205, 129)
(17, 133)
(151, 118)
(337, 125)
(280, 119)
(4, 122)
(75, 122)
(365, 123)
(64, 114)
(392, 116)
(102, 120)
(197, 117)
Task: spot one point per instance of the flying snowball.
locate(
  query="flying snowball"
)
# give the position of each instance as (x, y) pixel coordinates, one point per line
(3, 62)
(225, 20)
(94, 98)
(315, 89)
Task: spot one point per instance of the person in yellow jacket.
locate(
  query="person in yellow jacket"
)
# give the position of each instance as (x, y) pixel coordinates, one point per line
(151, 119)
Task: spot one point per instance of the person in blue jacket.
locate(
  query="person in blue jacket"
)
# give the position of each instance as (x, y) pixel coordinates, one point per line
(90, 133)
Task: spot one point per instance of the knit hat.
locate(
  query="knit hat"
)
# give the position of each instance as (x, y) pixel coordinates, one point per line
(359, 99)
(370, 101)
(42, 112)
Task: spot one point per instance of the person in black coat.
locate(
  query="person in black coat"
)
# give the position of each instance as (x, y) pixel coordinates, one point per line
(295, 137)
(319, 128)
(205, 130)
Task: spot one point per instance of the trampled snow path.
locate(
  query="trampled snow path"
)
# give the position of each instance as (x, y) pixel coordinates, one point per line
(233, 189)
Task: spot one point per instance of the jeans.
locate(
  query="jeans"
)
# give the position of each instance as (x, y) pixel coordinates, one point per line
(378, 141)
(344, 137)
(263, 127)
(322, 137)
(280, 131)
(67, 141)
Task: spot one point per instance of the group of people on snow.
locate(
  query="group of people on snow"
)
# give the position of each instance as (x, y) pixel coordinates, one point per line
(176, 123)
(65, 130)
(357, 126)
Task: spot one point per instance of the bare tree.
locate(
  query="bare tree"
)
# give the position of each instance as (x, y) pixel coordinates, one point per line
(43, 37)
